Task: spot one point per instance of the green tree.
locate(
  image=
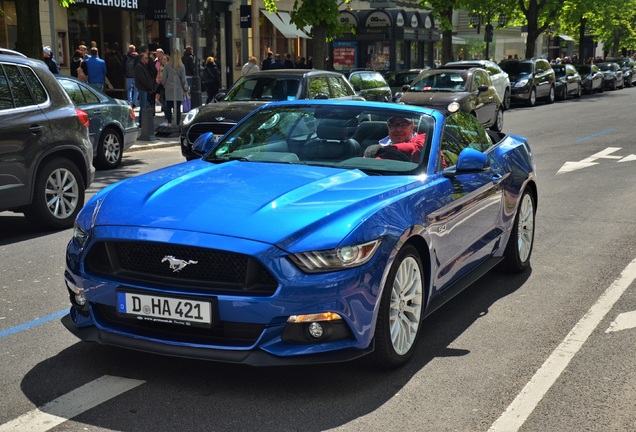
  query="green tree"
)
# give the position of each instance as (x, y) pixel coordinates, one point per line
(324, 18)
(539, 14)
(29, 33)
(443, 12)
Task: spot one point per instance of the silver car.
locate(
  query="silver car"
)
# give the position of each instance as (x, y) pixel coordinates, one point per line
(498, 76)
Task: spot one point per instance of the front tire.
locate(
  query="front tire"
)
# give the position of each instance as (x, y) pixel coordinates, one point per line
(506, 100)
(579, 92)
(519, 247)
(109, 150)
(58, 195)
(400, 314)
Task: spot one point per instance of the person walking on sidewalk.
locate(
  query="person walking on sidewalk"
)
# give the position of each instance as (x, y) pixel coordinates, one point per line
(212, 79)
(132, 58)
(174, 84)
(188, 61)
(96, 70)
(144, 84)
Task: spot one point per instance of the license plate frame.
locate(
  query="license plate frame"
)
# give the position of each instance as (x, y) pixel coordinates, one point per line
(173, 310)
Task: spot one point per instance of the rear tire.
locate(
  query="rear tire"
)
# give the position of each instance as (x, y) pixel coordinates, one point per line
(58, 195)
(498, 125)
(550, 98)
(109, 150)
(506, 100)
(532, 99)
(400, 314)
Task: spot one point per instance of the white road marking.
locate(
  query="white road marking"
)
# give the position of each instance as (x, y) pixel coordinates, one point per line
(623, 321)
(520, 409)
(71, 404)
(590, 161)
(629, 158)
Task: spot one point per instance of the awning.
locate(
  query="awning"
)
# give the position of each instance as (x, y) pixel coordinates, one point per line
(289, 30)
(566, 38)
(286, 18)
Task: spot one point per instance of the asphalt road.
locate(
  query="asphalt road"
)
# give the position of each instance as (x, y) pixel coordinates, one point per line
(549, 350)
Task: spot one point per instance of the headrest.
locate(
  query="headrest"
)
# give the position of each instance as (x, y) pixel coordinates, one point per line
(337, 130)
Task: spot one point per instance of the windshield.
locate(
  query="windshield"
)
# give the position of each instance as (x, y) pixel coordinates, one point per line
(400, 79)
(517, 68)
(559, 71)
(327, 135)
(606, 66)
(441, 81)
(264, 88)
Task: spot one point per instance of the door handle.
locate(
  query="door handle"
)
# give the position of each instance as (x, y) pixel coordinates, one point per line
(35, 129)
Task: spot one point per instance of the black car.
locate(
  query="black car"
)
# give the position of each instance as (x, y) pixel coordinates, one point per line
(45, 151)
(591, 78)
(612, 75)
(371, 85)
(255, 90)
(531, 79)
(568, 81)
(628, 66)
(398, 79)
(471, 89)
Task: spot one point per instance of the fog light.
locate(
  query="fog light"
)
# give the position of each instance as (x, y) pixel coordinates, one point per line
(316, 330)
(80, 298)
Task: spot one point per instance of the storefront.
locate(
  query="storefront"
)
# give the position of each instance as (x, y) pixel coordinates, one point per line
(385, 39)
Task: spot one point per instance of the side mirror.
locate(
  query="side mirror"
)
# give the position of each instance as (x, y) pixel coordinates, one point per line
(219, 97)
(406, 87)
(204, 144)
(322, 96)
(482, 88)
(469, 161)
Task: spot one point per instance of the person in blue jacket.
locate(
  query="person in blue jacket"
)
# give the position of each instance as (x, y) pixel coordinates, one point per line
(96, 70)
(50, 60)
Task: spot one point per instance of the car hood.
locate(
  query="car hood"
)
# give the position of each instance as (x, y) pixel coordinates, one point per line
(432, 98)
(224, 111)
(271, 203)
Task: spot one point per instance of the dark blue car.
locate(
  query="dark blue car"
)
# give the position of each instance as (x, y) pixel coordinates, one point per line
(299, 238)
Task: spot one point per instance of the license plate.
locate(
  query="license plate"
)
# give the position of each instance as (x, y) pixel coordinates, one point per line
(165, 309)
(217, 138)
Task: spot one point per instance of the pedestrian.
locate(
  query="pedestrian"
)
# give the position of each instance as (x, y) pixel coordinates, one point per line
(50, 60)
(289, 64)
(96, 70)
(144, 83)
(250, 66)
(188, 62)
(301, 63)
(77, 63)
(212, 78)
(310, 63)
(132, 58)
(84, 51)
(277, 63)
(173, 78)
(268, 61)
(159, 89)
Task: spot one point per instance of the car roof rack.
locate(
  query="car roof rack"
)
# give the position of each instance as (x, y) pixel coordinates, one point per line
(11, 52)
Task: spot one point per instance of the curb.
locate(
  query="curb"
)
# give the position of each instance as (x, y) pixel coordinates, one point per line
(151, 145)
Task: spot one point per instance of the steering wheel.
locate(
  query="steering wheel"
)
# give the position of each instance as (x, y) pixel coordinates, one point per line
(386, 152)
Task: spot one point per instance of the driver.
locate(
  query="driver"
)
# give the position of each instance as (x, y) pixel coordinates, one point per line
(401, 138)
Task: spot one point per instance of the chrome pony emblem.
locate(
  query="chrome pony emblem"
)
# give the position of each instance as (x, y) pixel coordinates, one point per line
(177, 264)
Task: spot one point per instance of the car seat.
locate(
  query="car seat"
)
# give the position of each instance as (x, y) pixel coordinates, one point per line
(333, 142)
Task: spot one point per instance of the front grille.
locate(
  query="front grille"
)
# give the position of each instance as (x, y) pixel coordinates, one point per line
(222, 333)
(217, 128)
(203, 270)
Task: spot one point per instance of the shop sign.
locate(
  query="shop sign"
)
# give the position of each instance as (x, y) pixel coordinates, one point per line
(246, 16)
(415, 23)
(344, 55)
(120, 4)
(399, 20)
(378, 19)
(347, 17)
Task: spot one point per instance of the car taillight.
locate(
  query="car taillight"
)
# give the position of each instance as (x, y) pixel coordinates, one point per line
(132, 114)
(82, 116)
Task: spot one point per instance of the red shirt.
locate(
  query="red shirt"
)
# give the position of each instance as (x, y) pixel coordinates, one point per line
(412, 148)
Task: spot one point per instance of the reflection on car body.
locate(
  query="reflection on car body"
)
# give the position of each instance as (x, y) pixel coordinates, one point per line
(284, 245)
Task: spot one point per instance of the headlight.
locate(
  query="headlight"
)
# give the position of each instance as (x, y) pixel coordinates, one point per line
(335, 259)
(521, 83)
(80, 235)
(190, 116)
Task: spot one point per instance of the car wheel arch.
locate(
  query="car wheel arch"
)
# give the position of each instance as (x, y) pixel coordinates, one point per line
(69, 152)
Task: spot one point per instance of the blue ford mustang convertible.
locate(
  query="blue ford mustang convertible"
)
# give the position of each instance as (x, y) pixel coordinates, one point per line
(314, 231)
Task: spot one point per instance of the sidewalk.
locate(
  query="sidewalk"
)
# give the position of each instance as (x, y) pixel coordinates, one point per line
(157, 141)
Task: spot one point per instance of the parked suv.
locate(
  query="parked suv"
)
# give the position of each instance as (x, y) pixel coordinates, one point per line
(257, 89)
(371, 85)
(531, 79)
(45, 152)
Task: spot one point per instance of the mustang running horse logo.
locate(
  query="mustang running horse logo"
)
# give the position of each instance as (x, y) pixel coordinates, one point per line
(177, 264)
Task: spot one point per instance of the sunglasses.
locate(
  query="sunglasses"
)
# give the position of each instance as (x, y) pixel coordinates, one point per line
(399, 125)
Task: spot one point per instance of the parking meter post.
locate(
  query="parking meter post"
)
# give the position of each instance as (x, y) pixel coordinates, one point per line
(148, 123)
